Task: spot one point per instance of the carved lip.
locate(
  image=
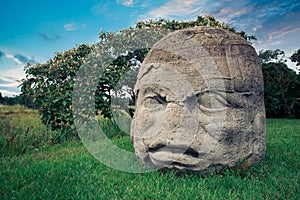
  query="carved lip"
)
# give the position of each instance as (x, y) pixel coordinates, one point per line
(175, 149)
(174, 155)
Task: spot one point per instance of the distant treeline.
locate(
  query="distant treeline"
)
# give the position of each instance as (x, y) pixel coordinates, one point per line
(18, 100)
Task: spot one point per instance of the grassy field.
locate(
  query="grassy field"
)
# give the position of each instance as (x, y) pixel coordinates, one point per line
(21, 130)
(44, 170)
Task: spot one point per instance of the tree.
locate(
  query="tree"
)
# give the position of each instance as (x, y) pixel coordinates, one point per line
(296, 57)
(272, 55)
(281, 85)
(1, 98)
(50, 86)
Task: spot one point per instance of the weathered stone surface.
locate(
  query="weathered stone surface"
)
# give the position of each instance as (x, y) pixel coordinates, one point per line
(200, 102)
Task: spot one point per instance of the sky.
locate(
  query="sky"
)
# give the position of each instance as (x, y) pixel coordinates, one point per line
(32, 31)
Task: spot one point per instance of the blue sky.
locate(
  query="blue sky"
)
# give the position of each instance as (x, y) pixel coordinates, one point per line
(31, 31)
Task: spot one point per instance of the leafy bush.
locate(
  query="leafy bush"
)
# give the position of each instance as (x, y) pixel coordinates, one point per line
(51, 86)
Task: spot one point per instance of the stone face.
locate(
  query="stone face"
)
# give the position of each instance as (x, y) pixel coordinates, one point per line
(200, 102)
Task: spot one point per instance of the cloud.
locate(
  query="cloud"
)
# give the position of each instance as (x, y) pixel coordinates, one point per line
(242, 14)
(8, 93)
(9, 81)
(24, 59)
(257, 27)
(107, 7)
(102, 8)
(126, 3)
(177, 8)
(282, 33)
(275, 24)
(13, 58)
(49, 38)
(9, 84)
(144, 5)
(72, 26)
(5, 79)
(2, 81)
(233, 14)
(18, 59)
(9, 78)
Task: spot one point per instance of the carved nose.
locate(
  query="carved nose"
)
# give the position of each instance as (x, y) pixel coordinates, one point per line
(174, 114)
(179, 119)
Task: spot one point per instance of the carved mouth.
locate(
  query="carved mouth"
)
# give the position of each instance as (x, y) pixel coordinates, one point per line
(175, 150)
(179, 156)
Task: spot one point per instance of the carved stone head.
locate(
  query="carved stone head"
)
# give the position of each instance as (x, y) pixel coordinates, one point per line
(200, 102)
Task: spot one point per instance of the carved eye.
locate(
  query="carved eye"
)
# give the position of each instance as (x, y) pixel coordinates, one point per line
(155, 101)
(189, 34)
(213, 101)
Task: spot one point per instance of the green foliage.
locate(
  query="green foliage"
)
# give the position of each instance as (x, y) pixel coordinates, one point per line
(269, 55)
(296, 57)
(110, 83)
(207, 20)
(281, 86)
(68, 171)
(51, 85)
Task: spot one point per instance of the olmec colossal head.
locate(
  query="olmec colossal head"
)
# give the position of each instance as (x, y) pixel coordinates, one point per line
(200, 102)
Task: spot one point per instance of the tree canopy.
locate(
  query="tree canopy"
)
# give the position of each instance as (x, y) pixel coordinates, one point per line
(282, 94)
(296, 57)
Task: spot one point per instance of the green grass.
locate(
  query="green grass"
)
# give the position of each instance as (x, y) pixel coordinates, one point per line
(15, 109)
(21, 130)
(69, 171)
